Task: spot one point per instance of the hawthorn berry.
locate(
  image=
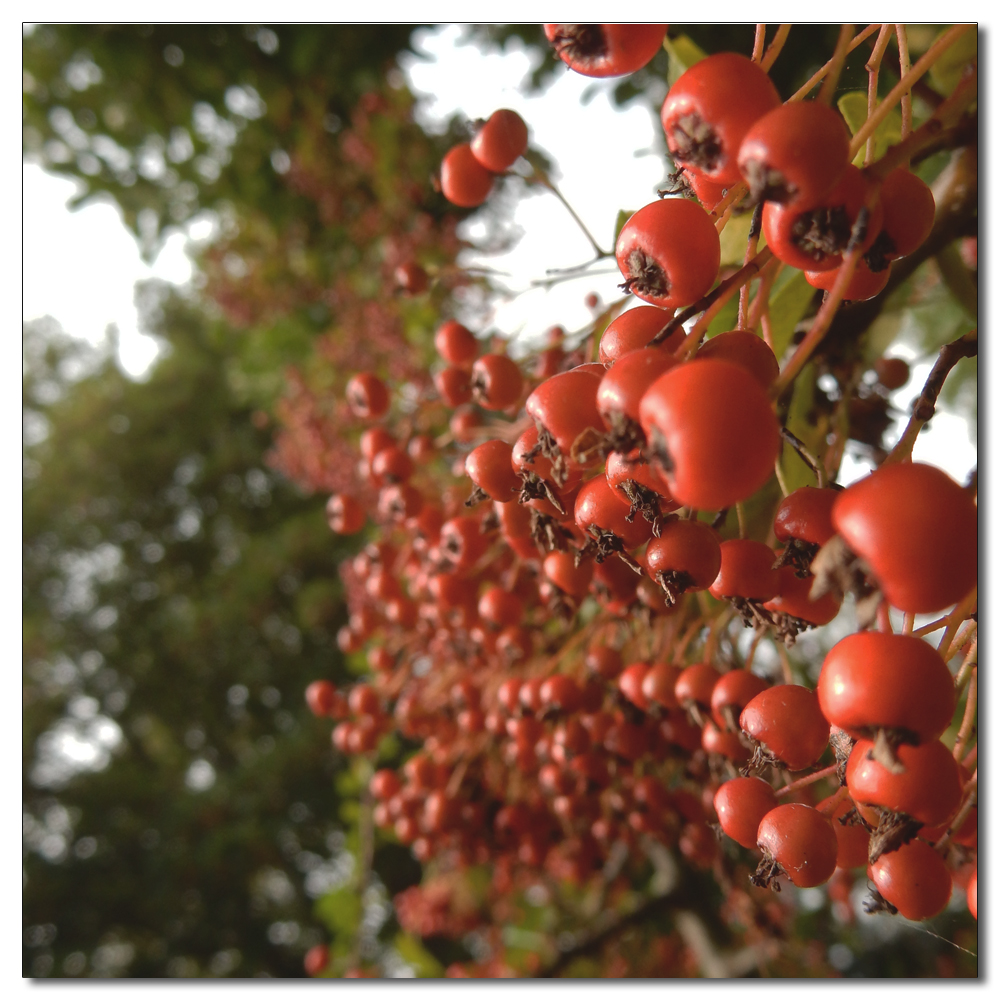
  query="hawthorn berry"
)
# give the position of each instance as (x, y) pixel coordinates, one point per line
(634, 329)
(606, 49)
(344, 514)
(668, 253)
(367, 396)
(797, 841)
(787, 725)
(914, 879)
(741, 805)
(501, 140)
(464, 180)
(744, 348)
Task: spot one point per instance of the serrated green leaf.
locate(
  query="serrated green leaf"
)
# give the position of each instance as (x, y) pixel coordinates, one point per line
(424, 964)
(340, 910)
(788, 305)
(854, 107)
(620, 220)
(684, 53)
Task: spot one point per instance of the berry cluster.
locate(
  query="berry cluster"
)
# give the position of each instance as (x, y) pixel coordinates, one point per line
(551, 594)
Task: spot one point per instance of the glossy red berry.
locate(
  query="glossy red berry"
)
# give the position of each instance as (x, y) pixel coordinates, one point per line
(606, 49)
(907, 219)
(732, 692)
(741, 804)
(367, 396)
(686, 557)
(321, 697)
(500, 141)
(634, 329)
(712, 432)
(456, 344)
(695, 685)
(877, 680)
(626, 382)
(711, 108)
(864, 284)
(489, 468)
(793, 600)
(599, 511)
(630, 684)
(412, 278)
(795, 154)
(787, 722)
(669, 253)
(660, 683)
(746, 349)
(560, 568)
(454, 386)
(496, 381)
(746, 570)
(464, 180)
(914, 879)
(802, 841)
(566, 406)
(805, 514)
(918, 531)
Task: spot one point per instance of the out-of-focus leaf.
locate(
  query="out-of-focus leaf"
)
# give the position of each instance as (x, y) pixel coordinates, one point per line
(684, 53)
(959, 281)
(948, 69)
(854, 107)
(803, 423)
(734, 237)
(424, 964)
(725, 319)
(340, 910)
(788, 305)
(620, 220)
(881, 334)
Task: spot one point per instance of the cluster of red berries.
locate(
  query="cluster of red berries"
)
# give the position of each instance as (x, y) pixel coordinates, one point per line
(553, 640)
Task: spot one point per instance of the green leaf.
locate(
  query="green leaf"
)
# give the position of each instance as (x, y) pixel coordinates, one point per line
(416, 955)
(854, 107)
(733, 239)
(622, 217)
(684, 53)
(788, 305)
(959, 281)
(340, 910)
(950, 65)
(802, 422)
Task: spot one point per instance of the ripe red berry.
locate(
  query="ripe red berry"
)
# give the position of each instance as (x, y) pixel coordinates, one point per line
(635, 328)
(669, 253)
(795, 154)
(454, 386)
(907, 219)
(805, 515)
(660, 683)
(864, 284)
(412, 278)
(741, 804)
(746, 570)
(606, 49)
(630, 684)
(711, 431)
(787, 722)
(321, 697)
(344, 514)
(800, 840)
(914, 879)
(367, 396)
(732, 692)
(710, 109)
(918, 531)
(464, 180)
(489, 467)
(500, 141)
(496, 381)
(560, 568)
(598, 511)
(875, 680)
(684, 558)
(626, 382)
(746, 349)
(456, 344)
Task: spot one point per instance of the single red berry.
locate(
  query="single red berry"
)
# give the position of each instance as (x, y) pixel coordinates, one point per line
(712, 432)
(694, 687)
(560, 568)
(496, 381)
(660, 683)
(907, 218)
(464, 423)
(500, 141)
(746, 570)
(710, 109)
(746, 349)
(391, 465)
(566, 407)
(316, 959)
(373, 440)
(367, 396)
(384, 784)
(599, 513)
(606, 49)
(456, 344)
(686, 557)
(489, 467)
(917, 529)
(732, 692)
(635, 328)
(795, 154)
(669, 253)
(876, 680)
(604, 661)
(626, 382)
(464, 180)
(914, 879)
(805, 515)
(344, 514)
(864, 284)
(893, 373)
(793, 600)
(454, 386)
(741, 804)
(412, 278)
(630, 684)
(787, 723)
(801, 841)
(321, 697)
(727, 744)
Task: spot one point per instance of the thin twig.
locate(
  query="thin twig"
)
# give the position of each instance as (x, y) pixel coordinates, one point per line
(971, 703)
(809, 779)
(758, 42)
(958, 616)
(806, 456)
(966, 346)
(873, 64)
(753, 238)
(774, 49)
(906, 104)
(836, 64)
(823, 70)
(540, 177)
(971, 792)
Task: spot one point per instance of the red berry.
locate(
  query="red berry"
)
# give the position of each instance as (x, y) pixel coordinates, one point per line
(606, 49)
(710, 109)
(918, 531)
(746, 349)
(598, 510)
(412, 278)
(893, 373)
(668, 253)
(685, 557)
(741, 804)
(566, 406)
(805, 514)
(496, 381)
(560, 568)
(907, 219)
(626, 382)
(630, 684)
(367, 396)
(344, 514)
(793, 599)
(316, 959)
(456, 344)
(453, 385)
(464, 180)
(489, 467)
(786, 720)
(914, 879)
(635, 328)
(730, 695)
(711, 431)
(795, 154)
(801, 840)
(500, 141)
(864, 284)
(321, 697)
(746, 570)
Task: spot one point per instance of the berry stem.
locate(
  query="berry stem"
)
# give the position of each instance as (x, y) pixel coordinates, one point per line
(806, 456)
(753, 238)
(774, 49)
(758, 42)
(958, 616)
(906, 104)
(836, 64)
(780, 476)
(908, 623)
(873, 64)
(968, 716)
(760, 308)
(920, 67)
(972, 796)
(539, 176)
(809, 779)
(923, 406)
(826, 67)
